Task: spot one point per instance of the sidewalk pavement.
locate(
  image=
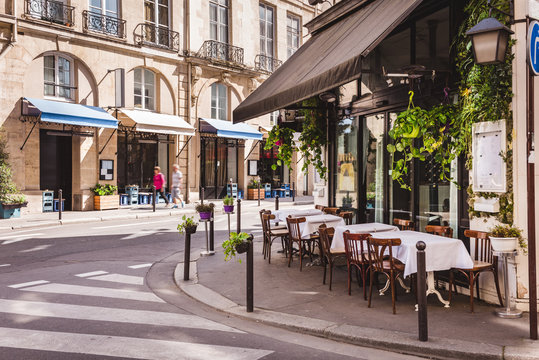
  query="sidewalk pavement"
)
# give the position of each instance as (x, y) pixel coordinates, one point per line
(298, 301)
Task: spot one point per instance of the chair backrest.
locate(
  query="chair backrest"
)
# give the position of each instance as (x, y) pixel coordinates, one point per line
(377, 252)
(331, 210)
(264, 230)
(354, 246)
(293, 227)
(319, 207)
(445, 231)
(482, 249)
(266, 222)
(404, 224)
(348, 217)
(326, 236)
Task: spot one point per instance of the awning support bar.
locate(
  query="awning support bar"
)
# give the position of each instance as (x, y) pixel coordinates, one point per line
(183, 147)
(110, 137)
(30, 133)
(254, 146)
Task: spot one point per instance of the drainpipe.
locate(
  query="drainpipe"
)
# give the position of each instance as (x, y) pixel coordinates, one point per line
(14, 30)
(189, 84)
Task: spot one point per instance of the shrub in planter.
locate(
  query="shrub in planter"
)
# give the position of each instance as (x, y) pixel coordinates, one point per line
(11, 200)
(252, 190)
(105, 197)
(505, 238)
(205, 210)
(187, 226)
(228, 204)
(237, 243)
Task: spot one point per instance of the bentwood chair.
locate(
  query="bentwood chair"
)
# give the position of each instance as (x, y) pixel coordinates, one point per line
(381, 260)
(271, 235)
(328, 257)
(356, 257)
(295, 237)
(319, 207)
(403, 224)
(484, 260)
(348, 217)
(331, 210)
(445, 231)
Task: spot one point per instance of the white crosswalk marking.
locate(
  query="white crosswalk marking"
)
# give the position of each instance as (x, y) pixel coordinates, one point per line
(80, 312)
(119, 278)
(135, 348)
(94, 291)
(92, 273)
(19, 238)
(140, 266)
(31, 283)
(36, 248)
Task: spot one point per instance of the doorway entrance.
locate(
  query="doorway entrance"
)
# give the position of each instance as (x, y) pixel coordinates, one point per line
(55, 164)
(219, 165)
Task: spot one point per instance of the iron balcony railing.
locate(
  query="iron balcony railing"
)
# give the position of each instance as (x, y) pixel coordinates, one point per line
(103, 24)
(215, 50)
(266, 63)
(53, 11)
(151, 35)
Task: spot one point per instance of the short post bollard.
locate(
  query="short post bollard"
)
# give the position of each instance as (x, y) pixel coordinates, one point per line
(187, 256)
(422, 292)
(60, 198)
(276, 202)
(250, 276)
(154, 191)
(293, 191)
(202, 196)
(258, 192)
(212, 230)
(238, 216)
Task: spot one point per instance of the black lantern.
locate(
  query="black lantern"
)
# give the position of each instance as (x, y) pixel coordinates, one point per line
(489, 39)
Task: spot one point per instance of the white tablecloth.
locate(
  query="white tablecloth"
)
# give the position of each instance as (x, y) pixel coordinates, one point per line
(281, 215)
(441, 253)
(337, 245)
(312, 223)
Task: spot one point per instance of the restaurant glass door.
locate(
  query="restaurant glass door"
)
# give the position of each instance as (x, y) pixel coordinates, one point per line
(373, 166)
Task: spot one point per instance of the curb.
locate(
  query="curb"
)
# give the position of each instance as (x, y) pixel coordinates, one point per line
(356, 335)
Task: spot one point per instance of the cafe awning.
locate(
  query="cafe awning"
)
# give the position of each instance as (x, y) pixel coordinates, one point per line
(148, 121)
(330, 58)
(69, 113)
(228, 130)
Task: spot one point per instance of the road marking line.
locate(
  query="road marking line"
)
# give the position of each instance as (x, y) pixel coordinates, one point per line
(304, 292)
(19, 235)
(97, 313)
(93, 273)
(31, 283)
(132, 224)
(140, 266)
(66, 289)
(120, 346)
(4, 265)
(36, 248)
(119, 278)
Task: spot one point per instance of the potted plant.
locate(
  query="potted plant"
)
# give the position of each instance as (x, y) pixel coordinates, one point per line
(188, 225)
(105, 197)
(237, 243)
(228, 204)
(205, 210)
(506, 238)
(253, 193)
(11, 200)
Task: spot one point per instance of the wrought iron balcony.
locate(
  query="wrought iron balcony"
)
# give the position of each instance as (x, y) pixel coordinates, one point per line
(103, 24)
(266, 63)
(215, 50)
(52, 11)
(151, 35)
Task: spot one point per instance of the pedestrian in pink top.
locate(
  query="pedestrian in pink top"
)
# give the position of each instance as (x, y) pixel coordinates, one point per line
(159, 182)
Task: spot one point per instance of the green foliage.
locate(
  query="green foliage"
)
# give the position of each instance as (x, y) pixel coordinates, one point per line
(186, 223)
(283, 138)
(208, 207)
(253, 184)
(228, 200)
(9, 194)
(229, 245)
(103, 190)
(508, 231)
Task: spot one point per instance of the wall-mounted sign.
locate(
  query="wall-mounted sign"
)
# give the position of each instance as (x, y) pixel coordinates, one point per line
(253, 167)
(106, 169)
(488, 145)
(533, 47)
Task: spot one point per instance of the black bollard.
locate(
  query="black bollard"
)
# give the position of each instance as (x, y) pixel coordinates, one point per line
(154, 190)
(60, 200)
(238, 216)
(293, 191)
(212, 220)
(187, 256)
(276, 202)
(422, 292)
(250, 276)
(259, 192)
(202, 196)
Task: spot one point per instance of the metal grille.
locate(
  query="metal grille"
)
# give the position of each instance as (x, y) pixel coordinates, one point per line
(53, 11)
(151, 35)
(266, 63)
(216, 50)
(103, 24)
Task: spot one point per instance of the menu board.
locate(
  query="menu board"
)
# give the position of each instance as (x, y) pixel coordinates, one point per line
(488, 164)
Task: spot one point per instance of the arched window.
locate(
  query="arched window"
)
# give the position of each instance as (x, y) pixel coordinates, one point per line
(144, 93)
(219, 101)
(58, 76)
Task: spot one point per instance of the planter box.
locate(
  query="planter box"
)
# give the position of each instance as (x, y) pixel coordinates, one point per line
(503, 244)
(10, 211)
(106, 202)
(254, 194)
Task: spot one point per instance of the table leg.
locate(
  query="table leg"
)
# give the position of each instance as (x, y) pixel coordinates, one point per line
(431, 289)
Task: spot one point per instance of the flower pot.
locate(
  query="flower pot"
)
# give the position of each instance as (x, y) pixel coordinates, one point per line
(243, 247)
(503, 244)
(255, 194)
(205, 215)
(106, 202)
(191, 229)
(9, 211)
(229, 208)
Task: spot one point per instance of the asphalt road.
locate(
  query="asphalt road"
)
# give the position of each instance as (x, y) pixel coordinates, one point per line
(101, 291)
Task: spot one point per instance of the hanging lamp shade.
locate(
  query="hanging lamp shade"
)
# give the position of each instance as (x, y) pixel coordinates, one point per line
(489, 40)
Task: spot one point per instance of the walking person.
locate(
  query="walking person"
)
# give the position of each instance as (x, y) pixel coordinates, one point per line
(176, 186)
(159, 182)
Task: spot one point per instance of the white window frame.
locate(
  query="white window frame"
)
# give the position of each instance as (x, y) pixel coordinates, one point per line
(264, 22)
(143, 88)
(103, 8)
(220, 4)
(56, 84)
(157, 39)
(289, 30)
(216, 110)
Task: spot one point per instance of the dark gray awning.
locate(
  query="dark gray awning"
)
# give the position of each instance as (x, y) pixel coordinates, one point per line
(330, 58)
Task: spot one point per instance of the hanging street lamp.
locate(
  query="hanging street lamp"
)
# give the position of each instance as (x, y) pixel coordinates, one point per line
(489, 40)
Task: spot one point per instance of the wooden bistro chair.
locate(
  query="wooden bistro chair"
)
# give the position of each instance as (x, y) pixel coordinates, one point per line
(295, 237)
(404, 224)
(445, 231)
(380, 262)
(319, 207)
(271, 235)
(331, 210)
(356, 257)
(328, 258)
(348, 217)
(484, 260)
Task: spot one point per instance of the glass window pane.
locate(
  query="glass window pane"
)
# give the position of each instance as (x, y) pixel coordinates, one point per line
(112, 6)
(373, 154)
(138, 75)
(269, 14)
(138, 101)
(223, 34)
(262, 29)
(149, 77)
(49, 61)
(269, 33)
(163, 16)
(148, 103)
(261, 12)
(49, 90)
(223, 15)
(49, 75)
(163, 2)
(96, 4)
(149, 11)
(213, 12)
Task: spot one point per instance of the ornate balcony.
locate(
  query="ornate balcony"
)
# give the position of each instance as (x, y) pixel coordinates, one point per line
(266, 63)
(215, 50)
(103, 24)
(151, 35)
(52, 11)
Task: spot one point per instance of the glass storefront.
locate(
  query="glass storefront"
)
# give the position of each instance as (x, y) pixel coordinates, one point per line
(219, 165)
